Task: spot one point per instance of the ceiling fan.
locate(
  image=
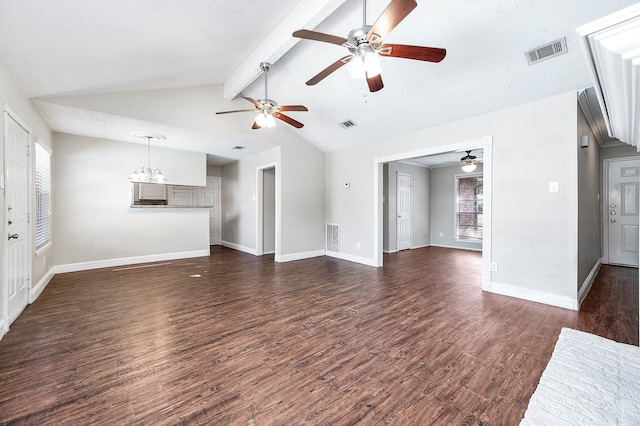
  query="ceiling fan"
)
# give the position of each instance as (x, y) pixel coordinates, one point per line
(267, 109)
(365, 44)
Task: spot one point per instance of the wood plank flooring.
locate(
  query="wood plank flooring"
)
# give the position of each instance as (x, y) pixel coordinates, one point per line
(240, 340)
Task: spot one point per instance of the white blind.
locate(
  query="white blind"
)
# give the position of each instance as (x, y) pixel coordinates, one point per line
(43, 196)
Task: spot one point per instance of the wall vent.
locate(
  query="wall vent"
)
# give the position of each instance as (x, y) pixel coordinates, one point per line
(547, 51)
(238, 147)
(347, 124)
(333, 237)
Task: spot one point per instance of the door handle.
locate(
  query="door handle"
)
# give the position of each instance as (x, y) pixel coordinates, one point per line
(14, 236)
(612, 221)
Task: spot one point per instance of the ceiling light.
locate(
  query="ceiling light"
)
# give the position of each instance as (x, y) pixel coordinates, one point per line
(265, 120)
(365, 64)
(147, 174)
(468, 165)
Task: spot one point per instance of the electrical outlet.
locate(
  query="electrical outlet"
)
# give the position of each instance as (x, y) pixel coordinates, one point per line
(442, 235)
(358, 245)
(494, 266)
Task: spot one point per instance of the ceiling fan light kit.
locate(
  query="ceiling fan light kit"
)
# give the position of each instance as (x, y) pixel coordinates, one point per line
(467, 162)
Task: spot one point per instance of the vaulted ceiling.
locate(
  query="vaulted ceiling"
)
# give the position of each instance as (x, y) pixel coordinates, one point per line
(69, 56)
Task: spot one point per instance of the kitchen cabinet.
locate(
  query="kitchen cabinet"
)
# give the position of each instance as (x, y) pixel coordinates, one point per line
(152, 191)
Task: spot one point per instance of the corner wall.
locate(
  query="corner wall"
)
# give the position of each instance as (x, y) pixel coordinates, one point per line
(534, 232)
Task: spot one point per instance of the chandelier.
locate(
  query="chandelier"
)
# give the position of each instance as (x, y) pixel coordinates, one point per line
(147, 174)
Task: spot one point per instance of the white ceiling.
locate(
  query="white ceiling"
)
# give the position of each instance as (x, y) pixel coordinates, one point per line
(86, 47)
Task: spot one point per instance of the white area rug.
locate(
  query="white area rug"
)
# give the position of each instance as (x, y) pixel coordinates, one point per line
(589, 380)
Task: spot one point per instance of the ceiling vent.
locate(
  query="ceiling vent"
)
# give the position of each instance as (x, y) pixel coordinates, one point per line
(347, 124)
(547, 51)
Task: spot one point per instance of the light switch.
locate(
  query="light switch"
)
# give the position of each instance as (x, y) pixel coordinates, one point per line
(553, 186)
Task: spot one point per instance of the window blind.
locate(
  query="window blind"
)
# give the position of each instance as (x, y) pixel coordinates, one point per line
(43, 196)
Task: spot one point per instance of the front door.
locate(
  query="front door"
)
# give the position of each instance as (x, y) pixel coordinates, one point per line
(403, 197)
(622, 212)
(17, 217)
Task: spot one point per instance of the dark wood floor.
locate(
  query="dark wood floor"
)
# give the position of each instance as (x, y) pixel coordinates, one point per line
(235, 339)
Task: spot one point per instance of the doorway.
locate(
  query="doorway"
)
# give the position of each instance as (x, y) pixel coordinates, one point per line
(211, 196)
(485, 144)
(621, 227)
(18, 249)
(266, 210)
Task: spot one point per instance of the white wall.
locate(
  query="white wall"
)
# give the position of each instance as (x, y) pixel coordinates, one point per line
(12, 97)
(534, 232)
(443, 208)
(420, 205)
(93, 222)
(589, 204)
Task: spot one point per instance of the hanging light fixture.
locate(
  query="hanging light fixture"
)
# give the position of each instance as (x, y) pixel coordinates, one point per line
(147, 174)
(468, 165)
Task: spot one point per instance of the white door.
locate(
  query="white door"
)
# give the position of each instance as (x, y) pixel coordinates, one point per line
(403, 198)
(17, 217)
(210, 196)
(622, 218)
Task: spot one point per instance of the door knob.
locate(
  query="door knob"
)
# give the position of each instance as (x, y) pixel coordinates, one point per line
(612, 213)
(14, 236)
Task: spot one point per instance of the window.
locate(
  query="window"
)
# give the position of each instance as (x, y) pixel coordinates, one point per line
(469, 207)
(43, 196)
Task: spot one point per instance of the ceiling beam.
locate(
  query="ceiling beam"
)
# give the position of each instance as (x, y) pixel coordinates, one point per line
(307, 14)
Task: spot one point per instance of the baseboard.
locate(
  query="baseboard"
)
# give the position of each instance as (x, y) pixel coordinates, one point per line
(390, 251)
(298, 256)
(420, 246)
(35, 291)
(239, 247)
(351, 258)
(109, 263)
(454, 247)
(533, 295)
(3, 329)
(588, 282)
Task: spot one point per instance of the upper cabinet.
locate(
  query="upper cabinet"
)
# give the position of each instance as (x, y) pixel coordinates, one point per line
(152, 191)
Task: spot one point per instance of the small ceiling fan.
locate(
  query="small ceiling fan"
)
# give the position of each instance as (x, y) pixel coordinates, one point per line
(267, 109)
(365, 44)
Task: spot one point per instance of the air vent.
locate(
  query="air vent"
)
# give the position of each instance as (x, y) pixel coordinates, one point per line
(333, 237)
(238, 147)
(347, 124)
(547, 51)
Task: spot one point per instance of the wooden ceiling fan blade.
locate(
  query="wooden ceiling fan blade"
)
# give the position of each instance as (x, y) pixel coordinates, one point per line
(253, 101)
(292, 108)
(288, 120)
(317, 36)
(375, 83)
(328, 70)
(238, 110)
(420, 53)
(395, 12)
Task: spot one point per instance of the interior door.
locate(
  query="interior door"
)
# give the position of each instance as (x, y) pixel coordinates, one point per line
(622, 219)
(17, 217)
(211, 197)
(403, 221)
